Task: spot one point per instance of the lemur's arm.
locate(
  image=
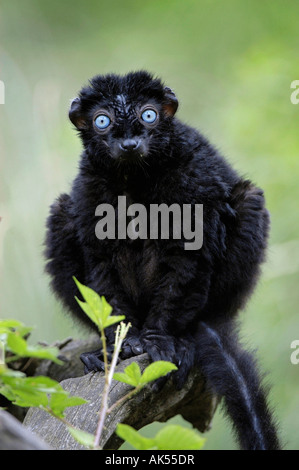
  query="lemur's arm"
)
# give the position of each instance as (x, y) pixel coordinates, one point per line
(238, 267)
(66, 259)
(64, 254)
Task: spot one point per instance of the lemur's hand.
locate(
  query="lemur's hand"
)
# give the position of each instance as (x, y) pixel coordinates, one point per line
(131, 345)
(179, 351)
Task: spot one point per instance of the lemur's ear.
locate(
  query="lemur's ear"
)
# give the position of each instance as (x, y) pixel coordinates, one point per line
(171, 103)
(75, 114)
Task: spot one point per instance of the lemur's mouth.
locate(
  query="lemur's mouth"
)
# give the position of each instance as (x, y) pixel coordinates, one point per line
(130, 150)
(130, 156)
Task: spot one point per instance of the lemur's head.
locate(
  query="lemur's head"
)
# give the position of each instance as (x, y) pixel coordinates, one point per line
(124, 119)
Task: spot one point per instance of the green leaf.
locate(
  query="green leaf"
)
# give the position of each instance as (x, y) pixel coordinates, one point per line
(88, 310)
(121, 377)
(43, 383)
(131, 375)
(61, 400)
(127, 433)
(156, 370)
(93, 305)
(6, 372)
(90, 296)
(84, 438)
(50, 353)
(9, 326)
(38, 392)
(7, 392)
(171, 437)
(19, 346)
(28, 391)
(16, 344)
(23, 330)
(22, 394)
(133, 371)
(96, 308)
(10, 323)
(175, 437)
(106, 308)
(31, 391)
(113, 319)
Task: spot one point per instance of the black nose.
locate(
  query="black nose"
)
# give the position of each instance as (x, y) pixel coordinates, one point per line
(129, 145)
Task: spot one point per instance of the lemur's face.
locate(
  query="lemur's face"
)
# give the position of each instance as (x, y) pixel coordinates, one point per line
(124, 118)
(126, 126)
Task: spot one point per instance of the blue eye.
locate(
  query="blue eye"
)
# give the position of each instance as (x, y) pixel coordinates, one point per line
(102, 121)
(149, 116)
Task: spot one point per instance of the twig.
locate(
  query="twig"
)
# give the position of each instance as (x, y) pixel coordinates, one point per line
(124, 398)
(121, 333)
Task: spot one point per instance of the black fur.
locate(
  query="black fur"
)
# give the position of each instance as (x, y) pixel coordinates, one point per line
(182, 304)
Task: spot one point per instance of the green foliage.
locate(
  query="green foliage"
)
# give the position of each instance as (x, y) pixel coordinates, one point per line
(84, 438)
(96, 307)
(132, 374)
(156, 370)
(98, 310)
(171, 437)
(13, 333)
(49, 395)
(41, 392)
(60, 400)
(127, 433)
(175, 437)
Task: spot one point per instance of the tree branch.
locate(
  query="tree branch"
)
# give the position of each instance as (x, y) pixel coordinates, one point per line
(193, 402)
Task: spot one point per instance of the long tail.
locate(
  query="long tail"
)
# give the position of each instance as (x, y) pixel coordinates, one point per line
(231, 373)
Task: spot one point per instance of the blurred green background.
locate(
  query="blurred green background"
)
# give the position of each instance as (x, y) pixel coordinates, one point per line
(231, 64)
